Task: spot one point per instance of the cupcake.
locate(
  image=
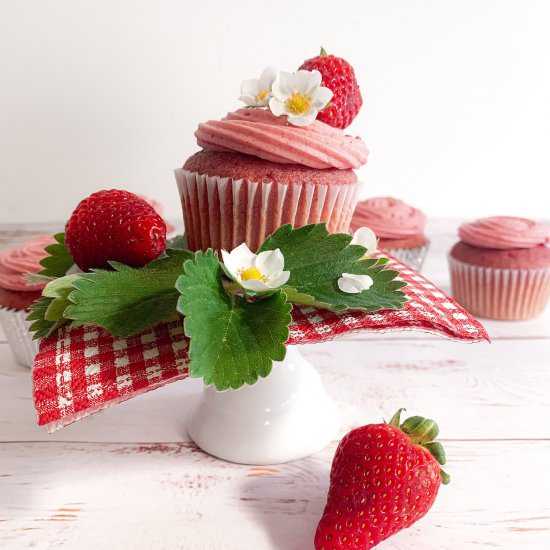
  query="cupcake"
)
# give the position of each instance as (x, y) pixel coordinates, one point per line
(16, 295)
(399, 227)
(262, 168)
(500, 268)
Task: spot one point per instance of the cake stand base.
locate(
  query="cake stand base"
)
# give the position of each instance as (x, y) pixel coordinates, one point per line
(285, 416)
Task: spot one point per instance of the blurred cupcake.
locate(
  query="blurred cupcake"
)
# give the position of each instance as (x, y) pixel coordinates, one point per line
(16, 295)
(399, 227)
(500, 268)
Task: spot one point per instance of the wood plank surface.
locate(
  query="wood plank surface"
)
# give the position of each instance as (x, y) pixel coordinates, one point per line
(129, 477)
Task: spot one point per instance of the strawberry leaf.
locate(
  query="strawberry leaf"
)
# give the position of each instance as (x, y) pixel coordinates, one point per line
(316, 260)
(233, 341)
(128, 300)
(59, 259)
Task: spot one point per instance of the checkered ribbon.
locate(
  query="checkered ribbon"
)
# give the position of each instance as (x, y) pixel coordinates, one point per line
(83, 370)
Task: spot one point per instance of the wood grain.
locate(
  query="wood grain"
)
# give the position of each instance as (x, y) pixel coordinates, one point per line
(129, 477)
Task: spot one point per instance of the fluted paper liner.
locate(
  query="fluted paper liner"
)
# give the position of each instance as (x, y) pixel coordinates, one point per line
(16, 329)
(413, 257)
(222, 212)
(505, 294)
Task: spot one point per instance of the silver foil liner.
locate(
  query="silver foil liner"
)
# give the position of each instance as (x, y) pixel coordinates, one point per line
(503, 294)
(413, 257)
(223, 213)
(16, 329)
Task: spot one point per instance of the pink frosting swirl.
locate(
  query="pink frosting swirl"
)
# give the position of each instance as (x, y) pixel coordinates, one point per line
(25, 258)
(259, 133)
(389, 218)
(504, 232)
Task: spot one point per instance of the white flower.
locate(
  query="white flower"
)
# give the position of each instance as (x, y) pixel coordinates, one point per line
(300, 96)
(352, 284)
(366, 237)
(257, 272)
(256, 92)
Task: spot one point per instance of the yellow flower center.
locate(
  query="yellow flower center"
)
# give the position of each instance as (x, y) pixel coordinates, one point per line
(252, 273)
(298, 104)
(262, 95)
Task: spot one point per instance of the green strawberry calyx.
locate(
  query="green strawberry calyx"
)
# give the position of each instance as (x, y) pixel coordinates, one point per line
(323, 52)
(423, 431)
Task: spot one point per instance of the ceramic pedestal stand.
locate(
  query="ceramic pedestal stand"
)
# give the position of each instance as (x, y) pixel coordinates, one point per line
(285, 416)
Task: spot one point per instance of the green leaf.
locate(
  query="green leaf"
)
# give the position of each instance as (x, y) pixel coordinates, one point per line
(233, 341)
(317, 259)
(59, 260)
(179, 242)
(41, 326)
(127, 300)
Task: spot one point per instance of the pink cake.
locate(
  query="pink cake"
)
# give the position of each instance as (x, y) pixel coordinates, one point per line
(16, 295)
(257, 172)
(398, 226)
(500, 269)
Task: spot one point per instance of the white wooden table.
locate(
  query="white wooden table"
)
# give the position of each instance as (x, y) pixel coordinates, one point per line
(129, 477)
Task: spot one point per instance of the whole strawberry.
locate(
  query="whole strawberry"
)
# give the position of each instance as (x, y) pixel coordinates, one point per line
(338, 76)
(384, 477)
(114, 225)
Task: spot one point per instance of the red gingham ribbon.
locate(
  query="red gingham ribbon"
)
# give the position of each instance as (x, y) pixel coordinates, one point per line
(83, 370)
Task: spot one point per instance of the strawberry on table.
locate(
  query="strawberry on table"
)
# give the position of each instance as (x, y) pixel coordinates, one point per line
(339, 77)
(384, 477)
(114, 225)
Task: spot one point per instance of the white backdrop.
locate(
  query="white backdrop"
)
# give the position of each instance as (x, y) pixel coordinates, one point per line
(97, 94)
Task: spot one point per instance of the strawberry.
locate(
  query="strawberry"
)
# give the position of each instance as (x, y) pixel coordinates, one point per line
(114, 225)
(384, 477)
(339, 77)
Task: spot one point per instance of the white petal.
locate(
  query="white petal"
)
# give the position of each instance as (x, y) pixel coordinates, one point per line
(268, 77)
(277, 107)
(353, 284)
(248, 100)
(304, 120)
(321, 97)
(365, 237)
(281, 86)
(251, 87)
(279, 280)
(314, 81)
(305, 81)
(238, 259)
(270, 261)
(255, 284)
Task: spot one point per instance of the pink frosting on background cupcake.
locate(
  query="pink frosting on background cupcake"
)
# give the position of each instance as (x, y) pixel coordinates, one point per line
(25, 258)
(389, 218)
(259, 133)
(504, 232)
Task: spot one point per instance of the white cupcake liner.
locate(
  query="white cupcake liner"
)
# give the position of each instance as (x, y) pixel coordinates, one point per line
(504, 294)
(222, 212)
(413, 257)
(16, 329)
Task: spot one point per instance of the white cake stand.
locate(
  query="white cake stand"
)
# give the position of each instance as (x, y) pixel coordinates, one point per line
(285, 416)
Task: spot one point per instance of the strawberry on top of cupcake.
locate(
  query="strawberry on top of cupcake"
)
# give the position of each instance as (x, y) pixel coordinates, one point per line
(278, 161)
(500, 268)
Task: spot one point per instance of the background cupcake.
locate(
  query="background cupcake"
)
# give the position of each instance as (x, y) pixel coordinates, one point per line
(500, 268)
(274, 163)
(399, 227)
(16, 295)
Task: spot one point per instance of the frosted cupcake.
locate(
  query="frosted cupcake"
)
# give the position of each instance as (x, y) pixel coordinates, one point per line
(500, 268)
(399, 227)
(261, 168)
(16, 295)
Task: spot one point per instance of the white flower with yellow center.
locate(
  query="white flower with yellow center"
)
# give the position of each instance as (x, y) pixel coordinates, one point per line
(299, 96)
(366, 237)
(258, 272)
(256, 92)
